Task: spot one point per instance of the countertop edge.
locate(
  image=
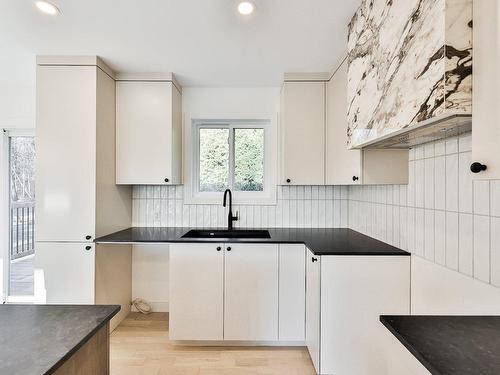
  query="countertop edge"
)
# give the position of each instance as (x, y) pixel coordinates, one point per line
(408, 346)
(82, 342)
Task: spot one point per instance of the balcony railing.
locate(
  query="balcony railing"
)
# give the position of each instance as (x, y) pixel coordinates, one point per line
(22, 229)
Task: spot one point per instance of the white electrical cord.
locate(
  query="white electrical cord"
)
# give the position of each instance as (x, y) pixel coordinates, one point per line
(142, 306)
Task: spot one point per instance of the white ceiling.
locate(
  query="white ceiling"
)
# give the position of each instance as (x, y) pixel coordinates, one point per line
(205, 42)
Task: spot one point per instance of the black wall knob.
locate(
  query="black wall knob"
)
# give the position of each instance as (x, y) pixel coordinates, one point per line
(477, 167)
(88, 248)
(167, 180)
(229, 248)
(355, 178)
(218, 248)
(288, 180)
(314, 259)
(88, 237)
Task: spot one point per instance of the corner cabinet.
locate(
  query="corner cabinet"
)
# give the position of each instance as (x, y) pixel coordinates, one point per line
(148, 131)
(236, 291)
(345, 295)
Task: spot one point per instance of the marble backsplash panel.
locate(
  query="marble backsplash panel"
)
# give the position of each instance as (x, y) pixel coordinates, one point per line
(407, 61)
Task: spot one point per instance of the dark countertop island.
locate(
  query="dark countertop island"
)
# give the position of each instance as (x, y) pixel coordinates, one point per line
(39, 339)
(321, 241)
(450, 345)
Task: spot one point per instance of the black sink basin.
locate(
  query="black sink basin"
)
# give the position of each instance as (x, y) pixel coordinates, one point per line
(221, 233)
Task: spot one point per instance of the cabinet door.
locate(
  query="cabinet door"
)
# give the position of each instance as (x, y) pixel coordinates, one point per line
(343, 166)
(65, 272)
(303, 132)
(66, 156)
(486, 95)
(359, 289)
(313, 271)
(145, 133)
(196, 292)
(292, 292)
(251, 292)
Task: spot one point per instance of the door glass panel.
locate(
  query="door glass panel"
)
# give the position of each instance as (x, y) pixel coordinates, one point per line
(22, 215)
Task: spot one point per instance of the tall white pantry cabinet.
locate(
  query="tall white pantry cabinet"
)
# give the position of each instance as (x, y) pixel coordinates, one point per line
(76, 196)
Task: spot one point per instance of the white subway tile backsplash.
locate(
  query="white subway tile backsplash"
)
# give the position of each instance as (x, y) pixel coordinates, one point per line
(495, 251)
(452, 182)
(419, 183)
(429, 235)
(440, 183)
(465, 244)
(429, 184)
(465, 182)
(440, 237)
(495, 198)
(482, 248)
(481, 197)
(452, 240)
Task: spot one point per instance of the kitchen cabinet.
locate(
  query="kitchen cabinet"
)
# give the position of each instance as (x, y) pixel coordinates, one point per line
(313, 305)
(345, 297)
(314, 140)
(148, 132)
(399, 359)
(486, 95)
(292, 290)
(66, 153)
(350, 166)
(302, 133)
(68, 271)
(233, 292)
(76, 196)
(251, 292)
(196, 292)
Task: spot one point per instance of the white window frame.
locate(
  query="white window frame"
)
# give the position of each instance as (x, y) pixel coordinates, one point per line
(267, 196)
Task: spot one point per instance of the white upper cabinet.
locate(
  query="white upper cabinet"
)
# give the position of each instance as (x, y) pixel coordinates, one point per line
(343, 166)
(148, 132)
(66, 153)
(486, 96)
(302, 132)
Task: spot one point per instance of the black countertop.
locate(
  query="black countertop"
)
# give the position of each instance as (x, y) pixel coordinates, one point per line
(321, 241)
(38, 339)
(450, 345)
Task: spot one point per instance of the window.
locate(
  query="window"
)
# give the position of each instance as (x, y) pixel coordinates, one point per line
(231, 155)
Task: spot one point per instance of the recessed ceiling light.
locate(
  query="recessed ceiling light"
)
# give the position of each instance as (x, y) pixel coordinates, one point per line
(47, 8)
(246, 7)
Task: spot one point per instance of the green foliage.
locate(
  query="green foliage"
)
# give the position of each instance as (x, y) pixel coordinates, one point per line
(22, 169)
(249, 159)
(214, 159)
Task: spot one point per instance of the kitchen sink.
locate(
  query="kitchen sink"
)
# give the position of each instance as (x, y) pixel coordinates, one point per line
(222, 233)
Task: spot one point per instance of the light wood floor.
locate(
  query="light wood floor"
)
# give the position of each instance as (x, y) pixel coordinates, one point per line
(140, 346)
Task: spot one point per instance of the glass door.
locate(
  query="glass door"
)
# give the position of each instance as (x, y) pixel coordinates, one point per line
(21, 215)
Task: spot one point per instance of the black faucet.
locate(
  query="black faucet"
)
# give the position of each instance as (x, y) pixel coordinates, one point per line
(230, 217)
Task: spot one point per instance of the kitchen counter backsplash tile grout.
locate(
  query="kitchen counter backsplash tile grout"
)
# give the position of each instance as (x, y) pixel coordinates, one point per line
(296, 206)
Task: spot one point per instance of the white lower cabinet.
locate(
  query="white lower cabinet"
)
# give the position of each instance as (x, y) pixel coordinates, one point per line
(239, 292)
(196, 291)
(251, 292)
(65, 272)
(292, 292)
(347, 294)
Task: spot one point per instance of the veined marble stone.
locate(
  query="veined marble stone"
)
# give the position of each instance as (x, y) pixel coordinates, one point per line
(408, 61)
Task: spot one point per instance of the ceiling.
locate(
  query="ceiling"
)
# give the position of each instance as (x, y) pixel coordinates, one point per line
(205, 42)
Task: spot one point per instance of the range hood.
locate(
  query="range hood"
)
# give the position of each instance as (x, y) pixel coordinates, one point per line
(409, 72)
(433, 129)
